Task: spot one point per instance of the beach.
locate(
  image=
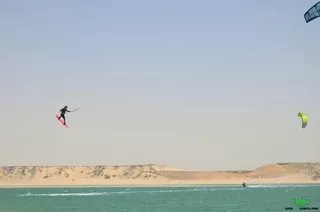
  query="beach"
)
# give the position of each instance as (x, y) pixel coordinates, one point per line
(154, 176)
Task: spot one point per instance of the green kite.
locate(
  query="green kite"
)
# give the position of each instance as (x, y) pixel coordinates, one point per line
(304, 119)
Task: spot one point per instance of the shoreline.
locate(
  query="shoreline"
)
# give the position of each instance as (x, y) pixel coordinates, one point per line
(157, 185)
(155, 176)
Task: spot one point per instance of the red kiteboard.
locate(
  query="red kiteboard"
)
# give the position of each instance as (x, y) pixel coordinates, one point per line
(61, 120)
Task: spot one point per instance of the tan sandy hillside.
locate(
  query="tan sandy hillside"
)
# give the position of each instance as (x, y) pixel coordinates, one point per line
(279, 170)
(311, 170)
(83, 172)
(153, 174)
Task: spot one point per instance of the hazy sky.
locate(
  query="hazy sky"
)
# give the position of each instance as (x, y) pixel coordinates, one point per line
(192, 84)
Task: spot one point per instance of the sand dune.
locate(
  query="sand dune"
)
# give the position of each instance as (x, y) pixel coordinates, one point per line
(154, 175)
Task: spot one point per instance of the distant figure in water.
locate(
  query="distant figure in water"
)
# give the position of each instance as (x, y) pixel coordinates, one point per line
(244, 184)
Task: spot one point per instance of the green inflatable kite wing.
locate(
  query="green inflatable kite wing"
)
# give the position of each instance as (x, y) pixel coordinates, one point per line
(304, 119)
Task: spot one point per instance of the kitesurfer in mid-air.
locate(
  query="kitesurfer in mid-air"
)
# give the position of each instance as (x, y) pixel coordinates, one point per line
(63, 112)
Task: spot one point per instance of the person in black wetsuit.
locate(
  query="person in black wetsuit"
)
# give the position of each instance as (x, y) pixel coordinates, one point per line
(62, 112)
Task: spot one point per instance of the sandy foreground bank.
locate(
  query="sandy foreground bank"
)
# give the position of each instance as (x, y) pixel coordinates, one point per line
(154, 175)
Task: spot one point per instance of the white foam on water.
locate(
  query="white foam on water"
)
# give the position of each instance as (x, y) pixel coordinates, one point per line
(129, 191)
(278, 186)
(29, 194)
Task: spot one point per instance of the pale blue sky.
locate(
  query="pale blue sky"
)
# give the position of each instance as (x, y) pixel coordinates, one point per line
(190, 84)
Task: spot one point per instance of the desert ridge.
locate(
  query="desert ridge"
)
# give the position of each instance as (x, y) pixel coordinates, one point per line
(154, 175)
